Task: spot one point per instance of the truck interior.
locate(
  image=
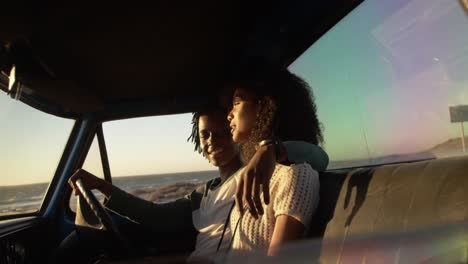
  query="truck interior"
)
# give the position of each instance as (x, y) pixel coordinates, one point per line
(94, 64)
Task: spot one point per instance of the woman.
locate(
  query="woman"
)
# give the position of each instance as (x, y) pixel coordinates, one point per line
(271, 104)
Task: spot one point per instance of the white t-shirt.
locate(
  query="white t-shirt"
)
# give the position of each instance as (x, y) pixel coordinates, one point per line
(210, 219)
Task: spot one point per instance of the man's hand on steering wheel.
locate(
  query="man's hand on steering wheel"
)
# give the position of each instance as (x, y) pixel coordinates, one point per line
(83, 182)
(91, 181)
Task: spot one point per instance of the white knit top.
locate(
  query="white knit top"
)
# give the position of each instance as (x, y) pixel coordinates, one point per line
(294, 191)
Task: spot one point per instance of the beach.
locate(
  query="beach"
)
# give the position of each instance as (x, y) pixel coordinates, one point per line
(157, 188)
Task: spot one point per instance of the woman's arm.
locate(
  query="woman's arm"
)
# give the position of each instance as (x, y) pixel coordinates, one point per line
(255, 178)
(286, 229)
(295, 198)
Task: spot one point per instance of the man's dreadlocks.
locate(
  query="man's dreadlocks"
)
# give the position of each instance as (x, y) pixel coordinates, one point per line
(194, 137)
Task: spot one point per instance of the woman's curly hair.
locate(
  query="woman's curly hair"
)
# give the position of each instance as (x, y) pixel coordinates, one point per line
(293, 115)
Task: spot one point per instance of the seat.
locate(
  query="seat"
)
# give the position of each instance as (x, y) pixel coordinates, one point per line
(389, 199)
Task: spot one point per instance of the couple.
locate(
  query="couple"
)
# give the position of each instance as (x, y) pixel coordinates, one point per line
(273, 130)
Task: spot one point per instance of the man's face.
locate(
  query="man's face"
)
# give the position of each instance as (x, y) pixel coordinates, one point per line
(215, 139)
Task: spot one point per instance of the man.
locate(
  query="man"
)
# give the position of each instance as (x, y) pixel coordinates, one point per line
(207, 208)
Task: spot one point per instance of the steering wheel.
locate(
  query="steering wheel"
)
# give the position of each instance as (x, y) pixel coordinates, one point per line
(101, 214)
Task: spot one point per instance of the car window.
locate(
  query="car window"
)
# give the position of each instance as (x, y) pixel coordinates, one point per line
(387, 79)
(31, 144)
(151, 158)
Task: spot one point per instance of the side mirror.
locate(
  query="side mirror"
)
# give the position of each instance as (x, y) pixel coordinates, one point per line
(3, 56)
(7, 69)
(21, 65)
(29, 66)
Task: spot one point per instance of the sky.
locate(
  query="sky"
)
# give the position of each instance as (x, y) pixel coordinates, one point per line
(385, 76)
(31, 145)
(151, 145)
(383, 80)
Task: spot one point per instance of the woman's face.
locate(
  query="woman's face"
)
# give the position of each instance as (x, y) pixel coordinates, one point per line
(243, 114)
(215, 139)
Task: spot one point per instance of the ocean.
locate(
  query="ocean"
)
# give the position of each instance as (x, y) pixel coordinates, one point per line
(156, 188)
